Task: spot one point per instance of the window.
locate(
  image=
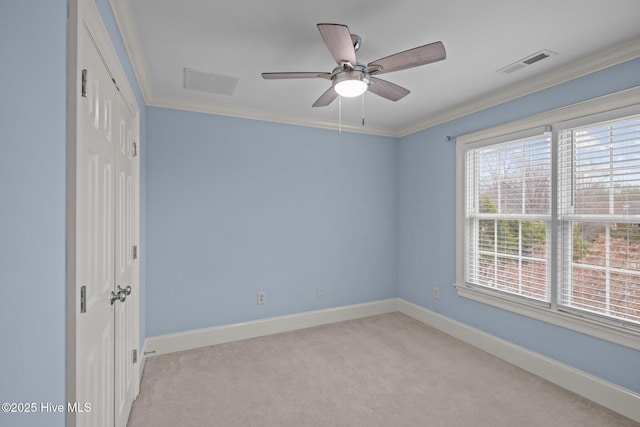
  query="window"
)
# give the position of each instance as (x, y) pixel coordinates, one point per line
(549, 217)
(509, 216)
(600, 216)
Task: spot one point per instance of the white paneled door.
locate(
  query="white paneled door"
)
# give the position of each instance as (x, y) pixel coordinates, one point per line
(95, 250)
(106, 224)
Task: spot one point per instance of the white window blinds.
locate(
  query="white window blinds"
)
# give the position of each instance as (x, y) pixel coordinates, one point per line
(599, 209)
(508, 216)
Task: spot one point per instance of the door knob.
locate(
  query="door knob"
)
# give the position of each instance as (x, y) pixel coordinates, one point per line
(119, 296)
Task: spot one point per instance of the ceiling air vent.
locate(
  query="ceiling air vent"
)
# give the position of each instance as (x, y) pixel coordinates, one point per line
(208, 82)
(525, 62)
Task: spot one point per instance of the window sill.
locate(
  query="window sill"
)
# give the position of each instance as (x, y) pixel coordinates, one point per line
(603, 331)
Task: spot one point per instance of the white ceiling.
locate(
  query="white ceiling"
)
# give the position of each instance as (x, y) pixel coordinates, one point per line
(242, 38)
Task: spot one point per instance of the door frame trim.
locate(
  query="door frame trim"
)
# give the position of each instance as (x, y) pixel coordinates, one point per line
(85, 12)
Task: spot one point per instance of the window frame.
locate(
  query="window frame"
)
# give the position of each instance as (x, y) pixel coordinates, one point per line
(616, 105)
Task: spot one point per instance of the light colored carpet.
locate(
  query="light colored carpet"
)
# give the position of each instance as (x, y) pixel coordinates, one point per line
(388, 370)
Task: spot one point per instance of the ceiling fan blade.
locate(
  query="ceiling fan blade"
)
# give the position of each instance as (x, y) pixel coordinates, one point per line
(338, 39)
(296, 75)
(409, 58)
(326, 98)
(387, 89)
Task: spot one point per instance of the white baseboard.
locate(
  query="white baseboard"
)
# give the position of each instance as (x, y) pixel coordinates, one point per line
(164, 344)
(609, 395)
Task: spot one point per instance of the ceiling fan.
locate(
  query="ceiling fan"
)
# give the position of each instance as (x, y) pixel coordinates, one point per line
(351, 78)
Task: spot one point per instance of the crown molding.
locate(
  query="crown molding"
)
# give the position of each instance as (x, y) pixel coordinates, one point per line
(123, 14)
(200, 106)
(622, 53)
(124, 18)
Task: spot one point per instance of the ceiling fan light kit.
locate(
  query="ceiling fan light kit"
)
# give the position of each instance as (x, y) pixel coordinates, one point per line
(351, 82)
(350, 78)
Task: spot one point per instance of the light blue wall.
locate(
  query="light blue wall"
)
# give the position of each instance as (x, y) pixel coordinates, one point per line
(427, 232)
(239, 206)
(32, 206)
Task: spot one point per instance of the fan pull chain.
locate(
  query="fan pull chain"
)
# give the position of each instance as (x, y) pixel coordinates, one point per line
(363, 109)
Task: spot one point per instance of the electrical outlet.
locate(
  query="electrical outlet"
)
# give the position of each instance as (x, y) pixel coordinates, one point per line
(320, 291)
(262, 297)
(436, 293)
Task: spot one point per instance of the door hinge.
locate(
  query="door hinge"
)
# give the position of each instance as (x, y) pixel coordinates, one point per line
(84, 83)
(135, 149)
(115, 84)
(135, 251)
(83, 299)
(135, 355)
